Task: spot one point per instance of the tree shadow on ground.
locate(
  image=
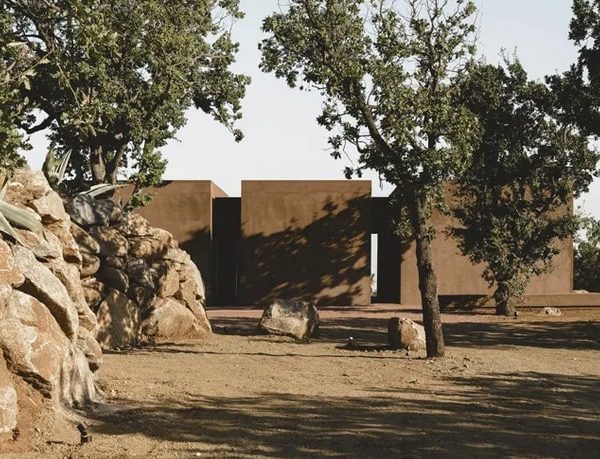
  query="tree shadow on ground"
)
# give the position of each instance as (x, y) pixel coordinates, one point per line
(526, 414)
(373, 332)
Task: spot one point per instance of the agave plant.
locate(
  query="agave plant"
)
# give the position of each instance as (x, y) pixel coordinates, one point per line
(101, 188)
(55, 167)
(12, 217)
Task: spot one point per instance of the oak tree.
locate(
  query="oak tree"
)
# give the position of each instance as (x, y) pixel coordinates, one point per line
(386, 71)
(516, 196)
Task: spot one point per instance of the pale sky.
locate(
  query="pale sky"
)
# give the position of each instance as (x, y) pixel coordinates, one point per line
(283, 140)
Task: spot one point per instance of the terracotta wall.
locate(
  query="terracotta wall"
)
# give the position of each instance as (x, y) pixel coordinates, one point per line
(457, 276)
(307, 239)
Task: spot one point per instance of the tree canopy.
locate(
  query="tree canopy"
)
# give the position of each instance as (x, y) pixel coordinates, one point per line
(386, 71)
(118, 76)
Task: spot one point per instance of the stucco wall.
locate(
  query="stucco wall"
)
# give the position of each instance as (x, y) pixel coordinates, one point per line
(307, 239)
(456, 274)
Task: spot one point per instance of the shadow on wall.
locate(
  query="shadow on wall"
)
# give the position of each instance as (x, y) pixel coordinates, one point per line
(326, 262)
(520, 413)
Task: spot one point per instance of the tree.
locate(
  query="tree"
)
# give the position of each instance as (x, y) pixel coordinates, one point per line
(587, 257)
(515, 199)
(120, 76)
(386, 76)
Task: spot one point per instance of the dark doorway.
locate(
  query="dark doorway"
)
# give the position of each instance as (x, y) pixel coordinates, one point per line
(226, 241)
(389, 249)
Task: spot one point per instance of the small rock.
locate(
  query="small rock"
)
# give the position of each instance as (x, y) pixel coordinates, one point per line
(547, 311)
(299, 319)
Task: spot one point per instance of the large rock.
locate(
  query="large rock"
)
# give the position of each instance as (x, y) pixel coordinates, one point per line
(86, 243)
(114, 278)
(36, 349)
(70, 247)
(406, 334)
(112, 243)
(82, 210)
(45, 286)
(118, 321)
(9, 408)
(190, 272)
(141, 274)
(169, 321)
(10, 273)
(26, 185)
(50, 207)
(299, 319)
(68, 274)
(90, 348)
(90, 264)
(168, 280)
(135, 225)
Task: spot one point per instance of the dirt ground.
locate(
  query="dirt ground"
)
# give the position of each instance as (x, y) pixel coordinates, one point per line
(525, 387)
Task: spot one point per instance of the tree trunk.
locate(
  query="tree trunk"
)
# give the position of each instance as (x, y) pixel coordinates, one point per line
(113, 165)
(502, 297)
(97, 166)
(427, 281)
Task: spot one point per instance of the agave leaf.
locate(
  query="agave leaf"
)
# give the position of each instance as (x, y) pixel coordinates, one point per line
(63, 166)
(7, 229)
(22, 218)
(100, 189)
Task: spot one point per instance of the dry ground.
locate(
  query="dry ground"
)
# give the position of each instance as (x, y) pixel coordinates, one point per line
(526, 387)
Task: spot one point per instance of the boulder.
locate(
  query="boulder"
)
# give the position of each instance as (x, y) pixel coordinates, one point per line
(141, 296)
(190, 272)
(168, 280)
(94, 291)
(112, 243)
(114, 278)
(42, 246)
(547, 311)
(107, 210)
(90, 264)
(169, 321)
(134, 224)
(50, 207)
(299, 319)
(45, 286)
(9, 408)
(118, 321)
(140, 273)
(406, 334)
(82, 210)
(10, 273)
(36, 349)
(68, 274)
(90, 348)
(85, 242)
(70, 248)
(177, 255)
(26, 185)
(115, 262)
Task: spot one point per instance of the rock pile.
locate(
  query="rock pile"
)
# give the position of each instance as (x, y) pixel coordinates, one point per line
(141, 286)
(47, 331)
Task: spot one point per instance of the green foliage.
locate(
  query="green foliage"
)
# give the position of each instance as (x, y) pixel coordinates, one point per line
(12, 216)
(120, 75)
(386, 72)
(587, 257)
(516, 197)
(16, 68)
(578, 89)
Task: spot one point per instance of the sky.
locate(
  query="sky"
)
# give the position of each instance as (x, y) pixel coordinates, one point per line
(283, 140)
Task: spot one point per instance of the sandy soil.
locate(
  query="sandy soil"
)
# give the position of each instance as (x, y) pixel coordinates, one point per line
(526, 387)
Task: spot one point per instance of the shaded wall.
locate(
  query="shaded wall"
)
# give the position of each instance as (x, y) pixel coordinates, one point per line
(185, 209)
(458, 276)
(308, 239)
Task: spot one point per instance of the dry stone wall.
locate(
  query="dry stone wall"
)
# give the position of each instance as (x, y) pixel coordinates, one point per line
(47, 330)
(93, 278)
(141, 285)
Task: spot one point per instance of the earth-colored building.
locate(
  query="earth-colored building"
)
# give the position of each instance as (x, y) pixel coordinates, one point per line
(312, 239)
